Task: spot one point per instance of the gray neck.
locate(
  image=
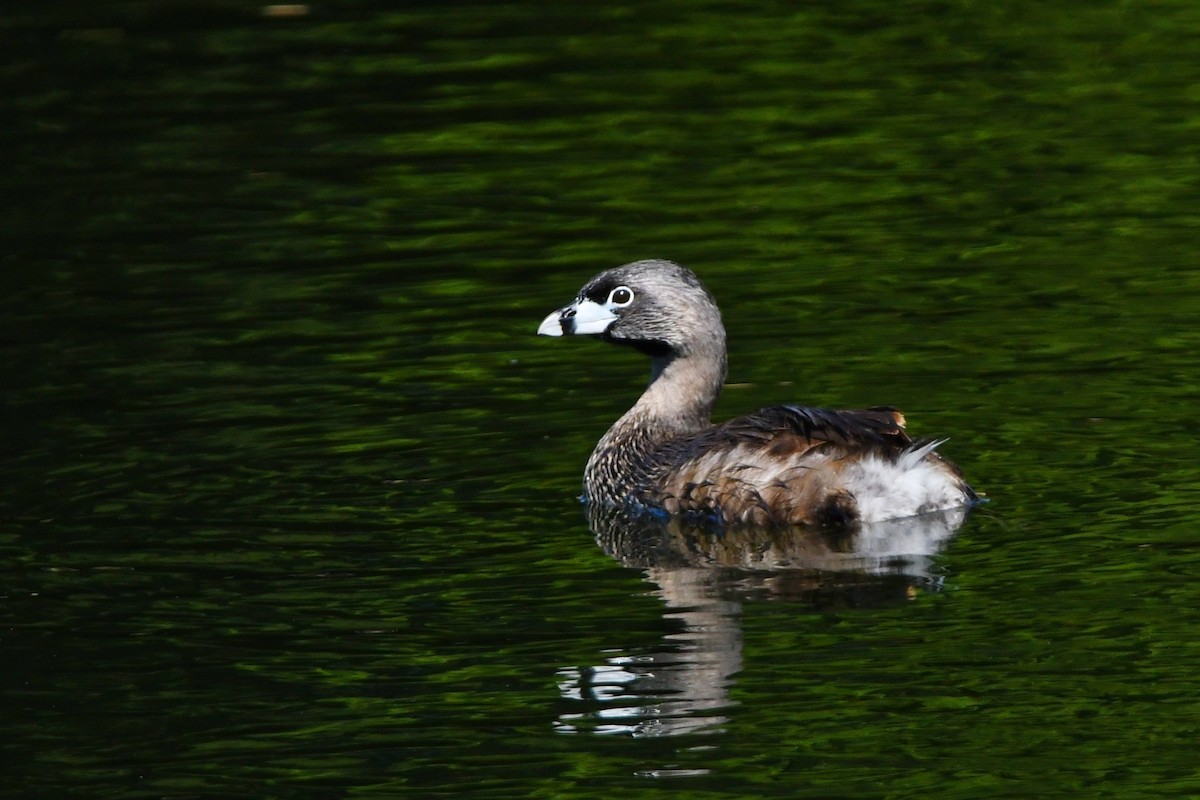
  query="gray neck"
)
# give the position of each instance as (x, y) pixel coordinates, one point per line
(682, 391)
(678, 402)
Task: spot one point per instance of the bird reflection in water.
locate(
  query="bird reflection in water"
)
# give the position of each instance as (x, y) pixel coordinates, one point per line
(703, 574)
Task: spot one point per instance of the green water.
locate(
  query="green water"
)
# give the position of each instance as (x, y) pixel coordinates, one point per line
(288, 491)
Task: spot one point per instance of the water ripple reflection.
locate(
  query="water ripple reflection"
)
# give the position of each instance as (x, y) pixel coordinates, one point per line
(702, 575)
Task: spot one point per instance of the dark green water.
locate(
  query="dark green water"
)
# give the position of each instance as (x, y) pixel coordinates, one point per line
(287, 502)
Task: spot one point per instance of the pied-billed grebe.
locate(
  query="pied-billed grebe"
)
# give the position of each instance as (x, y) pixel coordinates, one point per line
(780, 465)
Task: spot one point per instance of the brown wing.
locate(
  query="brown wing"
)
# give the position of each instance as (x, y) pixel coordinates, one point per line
(775, 465)
(878, 428)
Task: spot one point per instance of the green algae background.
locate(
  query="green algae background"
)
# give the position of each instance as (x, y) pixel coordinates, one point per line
(288, 491)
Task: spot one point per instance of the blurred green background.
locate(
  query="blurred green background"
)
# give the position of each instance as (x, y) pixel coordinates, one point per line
(287, 502)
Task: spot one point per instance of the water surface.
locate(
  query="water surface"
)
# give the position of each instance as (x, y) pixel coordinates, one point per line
(289, 487)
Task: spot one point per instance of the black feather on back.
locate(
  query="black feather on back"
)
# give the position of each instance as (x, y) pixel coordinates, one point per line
(781, 431)
(871, 429)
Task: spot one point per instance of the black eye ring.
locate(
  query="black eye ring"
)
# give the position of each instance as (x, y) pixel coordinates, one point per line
(621, 296)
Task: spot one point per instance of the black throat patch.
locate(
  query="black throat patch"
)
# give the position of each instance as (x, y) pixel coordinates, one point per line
(650, 347)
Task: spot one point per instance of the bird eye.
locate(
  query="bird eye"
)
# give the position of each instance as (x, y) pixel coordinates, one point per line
(621, 296)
